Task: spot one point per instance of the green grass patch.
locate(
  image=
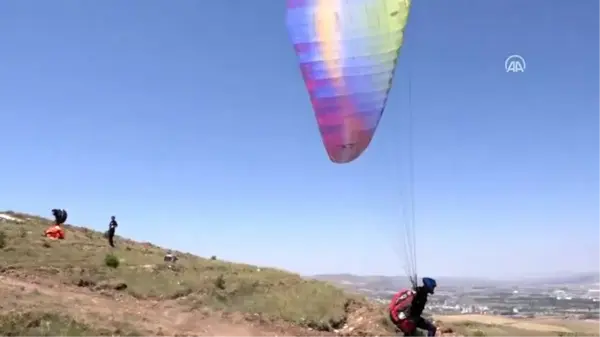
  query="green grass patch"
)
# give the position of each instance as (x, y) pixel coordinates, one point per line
(50, 324)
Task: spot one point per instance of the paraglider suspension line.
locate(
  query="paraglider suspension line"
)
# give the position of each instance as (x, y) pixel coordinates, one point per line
(410, 244)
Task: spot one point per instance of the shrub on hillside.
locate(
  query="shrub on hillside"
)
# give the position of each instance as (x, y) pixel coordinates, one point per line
(567, 334)
(110, 260)
(220, 282)
(2, 239)
(479, 333)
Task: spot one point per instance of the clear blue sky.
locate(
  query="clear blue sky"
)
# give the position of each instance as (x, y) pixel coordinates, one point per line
(189, 121)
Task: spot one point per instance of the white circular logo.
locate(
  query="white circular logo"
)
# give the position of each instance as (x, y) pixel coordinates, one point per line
(515, 64)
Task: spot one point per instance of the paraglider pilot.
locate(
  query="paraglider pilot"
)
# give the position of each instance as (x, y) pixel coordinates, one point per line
(60, 216)
(407, 307)
(112, 227)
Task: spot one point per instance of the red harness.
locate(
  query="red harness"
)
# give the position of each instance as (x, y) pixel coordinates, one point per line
(398, 309)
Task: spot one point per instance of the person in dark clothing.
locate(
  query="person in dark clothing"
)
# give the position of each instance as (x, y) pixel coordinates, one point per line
(112, 227)
(418, 305)
(407, 306)
(60, 216)
(57, 215)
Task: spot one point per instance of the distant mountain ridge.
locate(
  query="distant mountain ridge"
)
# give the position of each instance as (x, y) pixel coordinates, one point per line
(571, 278)
(380, 282)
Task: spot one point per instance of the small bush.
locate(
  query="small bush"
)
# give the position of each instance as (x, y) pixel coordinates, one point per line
(567, 334)
(2, 239)
(214, 257)
(479, 333)
(220, 282)
(111, 261)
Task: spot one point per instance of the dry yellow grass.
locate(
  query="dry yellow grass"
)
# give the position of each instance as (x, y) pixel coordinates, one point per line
(591, 327)
(490, 325)
(504, 321)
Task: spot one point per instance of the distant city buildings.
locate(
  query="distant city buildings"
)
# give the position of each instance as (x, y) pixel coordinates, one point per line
(577, 300)
(575, 303)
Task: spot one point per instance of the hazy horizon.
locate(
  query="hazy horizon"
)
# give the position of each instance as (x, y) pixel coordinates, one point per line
(558, 274)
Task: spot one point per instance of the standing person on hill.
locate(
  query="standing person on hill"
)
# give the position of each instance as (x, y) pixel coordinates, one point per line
(60, 216)
(112, 227)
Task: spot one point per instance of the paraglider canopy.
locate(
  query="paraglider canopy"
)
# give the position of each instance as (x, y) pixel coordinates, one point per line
(347, 51)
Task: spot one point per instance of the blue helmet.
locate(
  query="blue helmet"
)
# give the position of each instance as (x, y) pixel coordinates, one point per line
(429, 284)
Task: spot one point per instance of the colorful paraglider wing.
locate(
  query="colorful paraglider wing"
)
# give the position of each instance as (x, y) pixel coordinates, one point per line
(347, 50)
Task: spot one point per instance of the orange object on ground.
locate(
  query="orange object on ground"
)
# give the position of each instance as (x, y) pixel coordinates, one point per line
(55, 232)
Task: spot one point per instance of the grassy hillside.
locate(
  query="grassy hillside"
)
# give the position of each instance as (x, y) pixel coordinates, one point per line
(85, 260)
(82, 287)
